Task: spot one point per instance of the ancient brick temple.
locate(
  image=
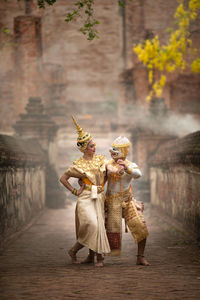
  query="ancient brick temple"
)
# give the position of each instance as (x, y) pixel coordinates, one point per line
(44, 56)
(101, 82)
(37, 125)
(48, 58)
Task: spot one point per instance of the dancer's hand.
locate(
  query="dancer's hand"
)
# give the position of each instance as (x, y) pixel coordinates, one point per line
(139, 205)
(122, 163)
(81, 189)
(80, 182)
(120, 170)
(117, 169)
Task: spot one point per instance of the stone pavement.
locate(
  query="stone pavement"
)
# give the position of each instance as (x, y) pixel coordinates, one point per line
(35, 264)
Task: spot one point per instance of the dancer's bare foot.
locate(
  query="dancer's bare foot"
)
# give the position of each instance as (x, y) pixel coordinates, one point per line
(141, 260)
(99, 264)
(100, 260)
(72, 254)
(89, 260)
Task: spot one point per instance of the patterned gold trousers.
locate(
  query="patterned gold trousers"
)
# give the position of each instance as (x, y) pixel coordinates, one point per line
(123, 205)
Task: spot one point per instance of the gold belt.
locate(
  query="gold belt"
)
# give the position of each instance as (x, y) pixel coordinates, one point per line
(117, 195)
(100, 188)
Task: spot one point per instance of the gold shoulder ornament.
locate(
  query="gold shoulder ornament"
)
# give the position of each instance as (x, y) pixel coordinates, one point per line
(89, 165)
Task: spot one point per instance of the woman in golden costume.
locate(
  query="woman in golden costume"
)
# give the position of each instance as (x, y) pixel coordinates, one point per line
(90, 227)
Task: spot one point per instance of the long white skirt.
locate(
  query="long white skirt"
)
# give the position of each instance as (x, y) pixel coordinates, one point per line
(90, 224)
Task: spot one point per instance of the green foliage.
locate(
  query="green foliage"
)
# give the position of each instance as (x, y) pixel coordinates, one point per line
(82, 7)
(42, 3)
(121, 3)
(7, 40)
(6, 31)
(85, 7)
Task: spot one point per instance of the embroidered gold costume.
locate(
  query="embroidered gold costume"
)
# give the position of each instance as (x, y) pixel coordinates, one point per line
(90, 224)
(120, 202)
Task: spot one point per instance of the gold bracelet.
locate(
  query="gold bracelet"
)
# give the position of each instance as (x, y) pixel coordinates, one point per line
(128, 171)
(74, 191)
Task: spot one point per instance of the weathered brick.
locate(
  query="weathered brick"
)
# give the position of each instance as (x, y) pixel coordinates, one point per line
(175, 177)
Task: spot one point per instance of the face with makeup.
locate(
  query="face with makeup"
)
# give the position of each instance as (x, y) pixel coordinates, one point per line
(91, 148)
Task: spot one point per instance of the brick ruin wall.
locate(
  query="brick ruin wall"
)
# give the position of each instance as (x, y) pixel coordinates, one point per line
(61, 66)
(175, 177)
(22, 184)
(74, 75)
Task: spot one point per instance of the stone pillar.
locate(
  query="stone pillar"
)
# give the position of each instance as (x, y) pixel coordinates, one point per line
(35, 124)
(145, 144)
(147, 136)
(28, 6)
(129, 18)
(126, 97)
(28, 53)
(54, 93)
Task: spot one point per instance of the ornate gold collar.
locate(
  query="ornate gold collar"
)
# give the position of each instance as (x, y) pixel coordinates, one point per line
(89, 165)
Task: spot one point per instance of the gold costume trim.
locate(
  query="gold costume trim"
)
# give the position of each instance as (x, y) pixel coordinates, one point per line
(120, 145)
(119, 195)
(120, 205)
(115, 176)
(113, 163)
(88, 165)
(100, 188)
(128, 171)
(88, 185)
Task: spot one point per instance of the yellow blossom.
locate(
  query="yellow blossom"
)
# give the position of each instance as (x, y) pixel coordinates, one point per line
(196, 66)
(171, 56)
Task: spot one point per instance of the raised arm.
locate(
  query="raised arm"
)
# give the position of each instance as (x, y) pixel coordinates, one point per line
(131, 169)
(64, 179)
(115, 169)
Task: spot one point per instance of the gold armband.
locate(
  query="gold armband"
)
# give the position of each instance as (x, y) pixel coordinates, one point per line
(128, 171)
(74, 191)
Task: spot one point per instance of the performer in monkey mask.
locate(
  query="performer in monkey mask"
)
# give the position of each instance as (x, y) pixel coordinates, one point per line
(121, 203)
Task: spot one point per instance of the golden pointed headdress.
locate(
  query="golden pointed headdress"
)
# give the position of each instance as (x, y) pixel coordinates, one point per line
(83, 137)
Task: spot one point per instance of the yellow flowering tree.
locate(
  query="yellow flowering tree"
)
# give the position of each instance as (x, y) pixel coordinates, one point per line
(162, 59)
